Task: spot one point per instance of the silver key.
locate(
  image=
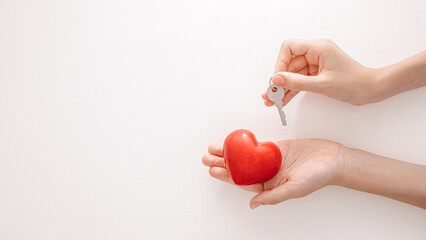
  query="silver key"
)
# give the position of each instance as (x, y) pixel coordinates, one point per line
(276, 95)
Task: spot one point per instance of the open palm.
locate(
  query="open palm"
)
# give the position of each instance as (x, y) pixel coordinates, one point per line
(308, 165)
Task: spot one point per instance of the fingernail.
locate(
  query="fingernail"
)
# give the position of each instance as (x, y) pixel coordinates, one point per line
(278, 80)
(255, 205)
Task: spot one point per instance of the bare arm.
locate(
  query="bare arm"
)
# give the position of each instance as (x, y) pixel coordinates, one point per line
(367, 172)
(403, 76)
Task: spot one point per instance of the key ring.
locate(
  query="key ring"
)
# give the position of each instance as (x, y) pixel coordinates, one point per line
(274, 88)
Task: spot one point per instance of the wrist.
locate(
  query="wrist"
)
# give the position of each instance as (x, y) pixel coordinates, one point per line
(354, 166)
(371, 84)
(346, 161)
(379, 85)
(384, 84)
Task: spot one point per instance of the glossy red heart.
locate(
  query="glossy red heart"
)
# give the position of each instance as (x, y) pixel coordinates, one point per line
(247, 160)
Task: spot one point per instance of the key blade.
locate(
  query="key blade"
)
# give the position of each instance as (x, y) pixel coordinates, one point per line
(282, 116)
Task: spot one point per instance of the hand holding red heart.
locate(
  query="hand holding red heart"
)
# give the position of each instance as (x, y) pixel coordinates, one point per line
(307, 165)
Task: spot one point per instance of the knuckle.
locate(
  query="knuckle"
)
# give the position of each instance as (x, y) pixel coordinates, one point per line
(324, 43)
(327, 40)
(286, 43)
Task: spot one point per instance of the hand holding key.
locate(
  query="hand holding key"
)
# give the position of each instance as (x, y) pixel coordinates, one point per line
(320, 66)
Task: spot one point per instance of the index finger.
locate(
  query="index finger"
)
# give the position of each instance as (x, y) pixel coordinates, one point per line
(289, 49)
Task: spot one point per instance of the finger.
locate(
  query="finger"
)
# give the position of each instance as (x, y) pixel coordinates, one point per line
(288, 93)
(291, 94)
(298, 82)
(289, 49)
(274, 196)
(297, 63)
(213, 160)
(215, 149)
(223, 175)
(220, 173)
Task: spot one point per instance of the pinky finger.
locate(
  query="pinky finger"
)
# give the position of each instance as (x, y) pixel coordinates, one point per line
(220, 173)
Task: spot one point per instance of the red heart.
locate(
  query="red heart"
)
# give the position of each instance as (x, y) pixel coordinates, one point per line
(248, 161)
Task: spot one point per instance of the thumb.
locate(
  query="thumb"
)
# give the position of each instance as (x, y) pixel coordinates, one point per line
(298, 82)
(273, 196)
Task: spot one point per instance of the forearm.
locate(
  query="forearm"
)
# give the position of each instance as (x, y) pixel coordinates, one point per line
(367, 172)
(402, 76)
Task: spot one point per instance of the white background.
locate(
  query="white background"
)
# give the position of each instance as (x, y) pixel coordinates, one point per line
(106, 108)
